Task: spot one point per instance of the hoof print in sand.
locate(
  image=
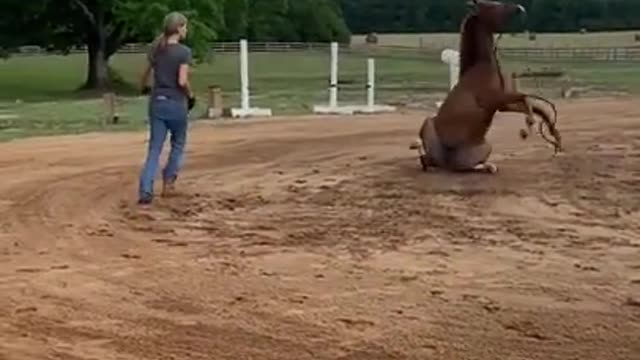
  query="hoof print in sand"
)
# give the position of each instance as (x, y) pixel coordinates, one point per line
(408, 278)
(299, 299)
(491, 307)
(356, 324)
(267, 273)
(526, 329)
(633, 301)
(26, 309)
(30, 270)
(171, 243)
(586, 267)
(60, 267)
(102, 230)
(487, 304)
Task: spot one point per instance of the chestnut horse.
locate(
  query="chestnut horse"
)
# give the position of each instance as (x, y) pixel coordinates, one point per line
(455, 139)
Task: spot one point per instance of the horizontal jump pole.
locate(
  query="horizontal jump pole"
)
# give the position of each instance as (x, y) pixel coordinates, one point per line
(532, 74)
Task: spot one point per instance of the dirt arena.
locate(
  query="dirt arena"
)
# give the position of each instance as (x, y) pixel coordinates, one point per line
(322, 239)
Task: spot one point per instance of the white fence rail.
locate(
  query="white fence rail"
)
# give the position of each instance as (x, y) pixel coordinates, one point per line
(612, 54)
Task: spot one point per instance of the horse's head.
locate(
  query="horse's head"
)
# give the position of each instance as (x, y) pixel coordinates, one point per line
(494, 15)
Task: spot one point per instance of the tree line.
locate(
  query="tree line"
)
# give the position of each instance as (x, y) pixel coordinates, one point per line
(402, 16)
(104, 25)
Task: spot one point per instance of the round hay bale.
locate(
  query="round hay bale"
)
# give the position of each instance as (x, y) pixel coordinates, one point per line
(372, 38)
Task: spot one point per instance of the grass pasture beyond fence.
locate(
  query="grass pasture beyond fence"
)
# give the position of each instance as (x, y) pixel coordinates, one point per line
(41, 90)
(517, 40)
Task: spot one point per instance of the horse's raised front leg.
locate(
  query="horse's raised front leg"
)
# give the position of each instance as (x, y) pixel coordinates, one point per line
(509, 101)
(529, 107)
(521, 103)
(525, 107)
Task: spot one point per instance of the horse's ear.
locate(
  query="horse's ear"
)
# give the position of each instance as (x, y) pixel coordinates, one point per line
(472, 5)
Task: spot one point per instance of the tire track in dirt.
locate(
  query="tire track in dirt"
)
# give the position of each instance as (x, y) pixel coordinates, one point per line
(323, 240)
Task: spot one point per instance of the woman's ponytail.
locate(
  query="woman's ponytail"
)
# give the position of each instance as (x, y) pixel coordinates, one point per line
(157, 46)
(172, 22)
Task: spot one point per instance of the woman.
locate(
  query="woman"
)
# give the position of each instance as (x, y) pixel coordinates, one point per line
(170, 100)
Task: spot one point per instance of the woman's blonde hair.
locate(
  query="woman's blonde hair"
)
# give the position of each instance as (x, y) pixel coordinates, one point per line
(170, 26)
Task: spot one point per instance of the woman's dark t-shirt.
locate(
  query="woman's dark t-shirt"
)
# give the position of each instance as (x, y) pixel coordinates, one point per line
(166, 64)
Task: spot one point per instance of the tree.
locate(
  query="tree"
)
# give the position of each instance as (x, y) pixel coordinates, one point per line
(268, 20)
(12, 28)
(364, 16)
(236, 18)
(321, 21)
(103, 25)
(284, 20)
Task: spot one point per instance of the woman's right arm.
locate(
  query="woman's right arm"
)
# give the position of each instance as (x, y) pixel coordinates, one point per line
(183, 72)
(183, 79)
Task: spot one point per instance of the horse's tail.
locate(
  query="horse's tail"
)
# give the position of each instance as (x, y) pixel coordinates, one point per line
(549, 120)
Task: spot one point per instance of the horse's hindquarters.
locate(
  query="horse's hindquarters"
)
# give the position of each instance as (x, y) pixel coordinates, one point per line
(459, 158)
(469, 157)
(432, 144)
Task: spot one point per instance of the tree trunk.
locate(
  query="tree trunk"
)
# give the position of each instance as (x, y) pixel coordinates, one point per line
(101, 46)
(98, 66)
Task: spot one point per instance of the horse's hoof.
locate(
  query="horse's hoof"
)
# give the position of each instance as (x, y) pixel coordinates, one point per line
(491, 168)
(530, 121)
(524, 134)
(488, 168)
(423, 163)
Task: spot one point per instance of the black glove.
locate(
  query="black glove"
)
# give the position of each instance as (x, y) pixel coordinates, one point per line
(191, 102)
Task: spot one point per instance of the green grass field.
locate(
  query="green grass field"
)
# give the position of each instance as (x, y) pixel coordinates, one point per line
(42, 90)
(544, 40)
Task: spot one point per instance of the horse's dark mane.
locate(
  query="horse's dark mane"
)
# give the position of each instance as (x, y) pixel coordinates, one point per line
(473, 48)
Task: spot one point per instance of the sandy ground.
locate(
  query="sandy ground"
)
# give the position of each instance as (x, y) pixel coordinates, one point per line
(322, 239)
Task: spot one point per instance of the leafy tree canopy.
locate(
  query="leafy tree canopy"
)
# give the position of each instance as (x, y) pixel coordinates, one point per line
(104, 25)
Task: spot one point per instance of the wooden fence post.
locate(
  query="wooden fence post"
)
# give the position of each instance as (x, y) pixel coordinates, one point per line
(111, 115)
(215, 105)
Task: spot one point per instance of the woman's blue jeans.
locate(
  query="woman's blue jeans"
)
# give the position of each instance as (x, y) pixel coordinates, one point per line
(165, 115)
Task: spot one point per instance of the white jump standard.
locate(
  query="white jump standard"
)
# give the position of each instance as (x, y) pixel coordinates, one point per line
(334, 108)
(451, 58)
(371, 107)
(246, 110)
